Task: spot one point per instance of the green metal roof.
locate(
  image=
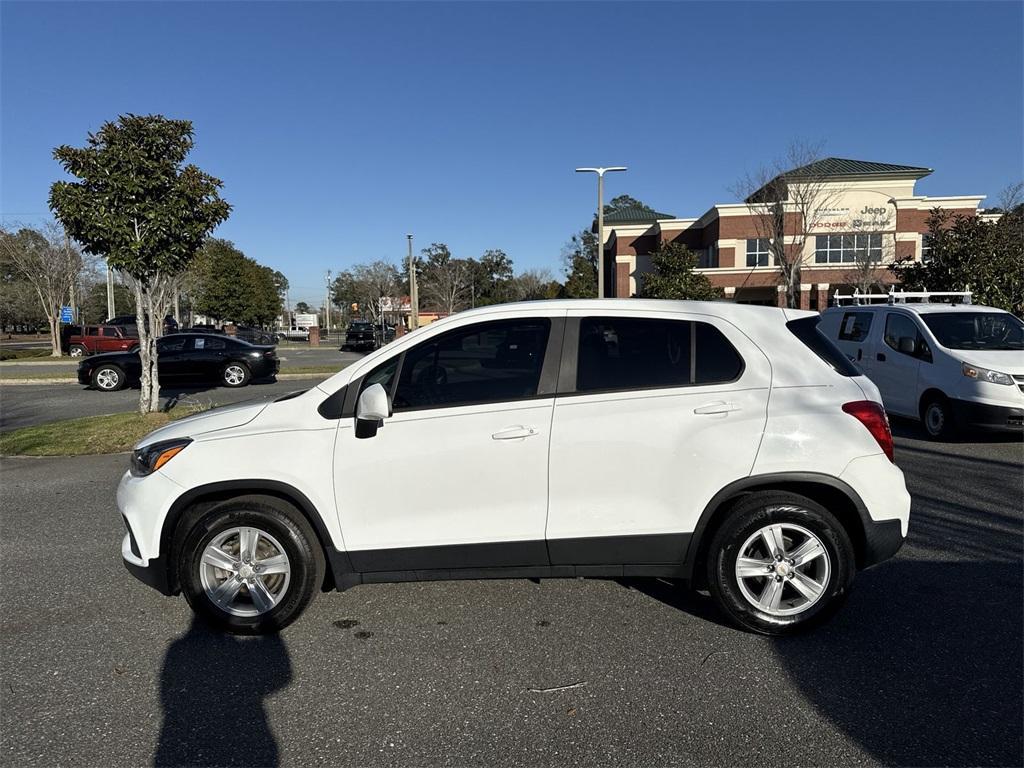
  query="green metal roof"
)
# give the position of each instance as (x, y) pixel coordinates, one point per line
(838, 167)
(635, 215)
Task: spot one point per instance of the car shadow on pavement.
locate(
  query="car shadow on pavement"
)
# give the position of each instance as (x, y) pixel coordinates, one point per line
(923, 665)
(212, 691)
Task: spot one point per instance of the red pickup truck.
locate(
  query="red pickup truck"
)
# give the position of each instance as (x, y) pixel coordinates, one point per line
(96, 339)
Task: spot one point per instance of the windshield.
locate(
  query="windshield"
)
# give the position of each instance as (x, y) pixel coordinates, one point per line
(360, 327)
(976, 330)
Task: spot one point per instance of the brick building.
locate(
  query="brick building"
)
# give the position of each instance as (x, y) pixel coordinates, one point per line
(867, 206)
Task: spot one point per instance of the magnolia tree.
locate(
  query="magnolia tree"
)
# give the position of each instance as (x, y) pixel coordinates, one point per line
(141, 208)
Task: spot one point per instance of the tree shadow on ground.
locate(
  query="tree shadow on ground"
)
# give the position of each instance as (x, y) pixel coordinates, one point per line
(212, 690)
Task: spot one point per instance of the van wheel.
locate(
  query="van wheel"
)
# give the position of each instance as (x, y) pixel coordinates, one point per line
(937, 418)
(109, 378)
(779, 563)
(250, 565)
(77, 350)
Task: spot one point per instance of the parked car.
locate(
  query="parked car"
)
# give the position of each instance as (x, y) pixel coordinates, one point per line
(294, 334)
(948, 365)
(96, 339)
(730, 446)
(360, 335)
(184, 356)
(255, 335)
(131, 325)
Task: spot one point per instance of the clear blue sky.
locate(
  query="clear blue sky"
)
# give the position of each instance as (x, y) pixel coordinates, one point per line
(339, 127)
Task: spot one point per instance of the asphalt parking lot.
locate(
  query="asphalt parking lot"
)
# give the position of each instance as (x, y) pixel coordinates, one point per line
(922, 666)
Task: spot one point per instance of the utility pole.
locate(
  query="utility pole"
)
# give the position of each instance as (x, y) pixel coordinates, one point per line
(327, 303)
(600, 221)
(414, 295)
(111, 309)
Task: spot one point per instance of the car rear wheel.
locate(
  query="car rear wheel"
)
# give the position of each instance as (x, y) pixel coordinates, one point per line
(236, 375)
(937, 418)
(780, 562)
(250, 565)
(109, 378)
(77, 350)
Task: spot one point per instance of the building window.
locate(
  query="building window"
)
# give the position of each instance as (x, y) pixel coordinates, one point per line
(708, 258)
(835, 249)
(758, 252)
(926, 248)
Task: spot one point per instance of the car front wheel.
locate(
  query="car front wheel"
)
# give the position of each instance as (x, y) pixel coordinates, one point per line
(250, 565)
(780, 562)
(109, 378)
(937, 418)
(236, 375)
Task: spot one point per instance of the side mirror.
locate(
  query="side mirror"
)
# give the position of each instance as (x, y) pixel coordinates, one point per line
(371, 410)
(907, 345)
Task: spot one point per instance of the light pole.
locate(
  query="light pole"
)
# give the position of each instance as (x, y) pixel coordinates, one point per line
(414, 295)
(600, 220)
(327, 303)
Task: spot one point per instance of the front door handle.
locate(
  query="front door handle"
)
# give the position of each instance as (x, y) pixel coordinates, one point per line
(718, 407)
(517, 432)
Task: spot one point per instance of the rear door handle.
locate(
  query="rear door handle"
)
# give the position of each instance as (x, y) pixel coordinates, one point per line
(880, 357)
(719, 407)
(517, 432)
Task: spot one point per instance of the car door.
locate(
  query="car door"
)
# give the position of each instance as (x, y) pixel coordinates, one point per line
(171, 356)
(853, 337)
(896, 372)
(457, 476)
(207, 357)
(655, 415)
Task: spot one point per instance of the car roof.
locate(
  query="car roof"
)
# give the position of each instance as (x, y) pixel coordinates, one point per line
(725, 309)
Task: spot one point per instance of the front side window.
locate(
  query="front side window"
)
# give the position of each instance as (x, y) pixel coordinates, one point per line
(899, 326)
(163, 346)
(625, 353)
(855, 326)
(758, 252)
(836, 249)
(483, 363)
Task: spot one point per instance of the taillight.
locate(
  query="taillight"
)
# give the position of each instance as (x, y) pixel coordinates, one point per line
(872, 415)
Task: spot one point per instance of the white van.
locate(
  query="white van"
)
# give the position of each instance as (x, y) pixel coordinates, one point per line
(949, 365)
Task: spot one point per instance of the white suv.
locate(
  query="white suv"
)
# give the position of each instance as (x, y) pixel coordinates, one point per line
(730, 446)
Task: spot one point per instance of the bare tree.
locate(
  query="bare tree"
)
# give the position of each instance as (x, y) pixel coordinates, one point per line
(786, 199)
(531, 285)
(51, 265)
(444, 282)
(366, 285)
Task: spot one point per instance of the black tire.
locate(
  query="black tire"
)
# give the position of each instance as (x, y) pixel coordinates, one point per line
(235, 374)
(286, 526)
(937, 418)
(109, 378)
(77, 350)
(744, 521)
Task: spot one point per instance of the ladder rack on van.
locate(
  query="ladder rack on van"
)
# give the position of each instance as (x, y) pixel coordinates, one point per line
(900, 297)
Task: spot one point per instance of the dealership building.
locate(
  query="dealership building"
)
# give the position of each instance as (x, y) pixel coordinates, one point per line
(865, 207)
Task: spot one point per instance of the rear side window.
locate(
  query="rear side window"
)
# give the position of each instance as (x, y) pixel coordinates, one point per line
(806, 329)
(855, 326)
(624, 353)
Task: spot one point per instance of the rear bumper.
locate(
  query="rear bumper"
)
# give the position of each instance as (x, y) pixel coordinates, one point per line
(967, 413)
(882, 540)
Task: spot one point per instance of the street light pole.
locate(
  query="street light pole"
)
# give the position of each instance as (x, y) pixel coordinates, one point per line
(600, 220)
(327, 303)
(414, 296)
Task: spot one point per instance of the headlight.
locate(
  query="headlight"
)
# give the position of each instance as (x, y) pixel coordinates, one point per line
(984, 374)
(149, 459)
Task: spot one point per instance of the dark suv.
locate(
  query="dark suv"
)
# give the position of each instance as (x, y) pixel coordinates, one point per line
(361, 334)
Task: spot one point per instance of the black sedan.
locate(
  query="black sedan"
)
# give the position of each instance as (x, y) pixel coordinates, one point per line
(184, 356)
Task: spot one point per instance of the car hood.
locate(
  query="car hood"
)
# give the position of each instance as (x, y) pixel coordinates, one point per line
(213, 420)
(1002, 360)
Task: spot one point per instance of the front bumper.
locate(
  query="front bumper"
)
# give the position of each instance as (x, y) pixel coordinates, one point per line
(153, 574)
(84, 376)
(968, 413)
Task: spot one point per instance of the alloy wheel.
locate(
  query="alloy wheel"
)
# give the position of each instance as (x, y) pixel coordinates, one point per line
(783, 569)
(245, 571)
(107, 378)
(234, 375)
